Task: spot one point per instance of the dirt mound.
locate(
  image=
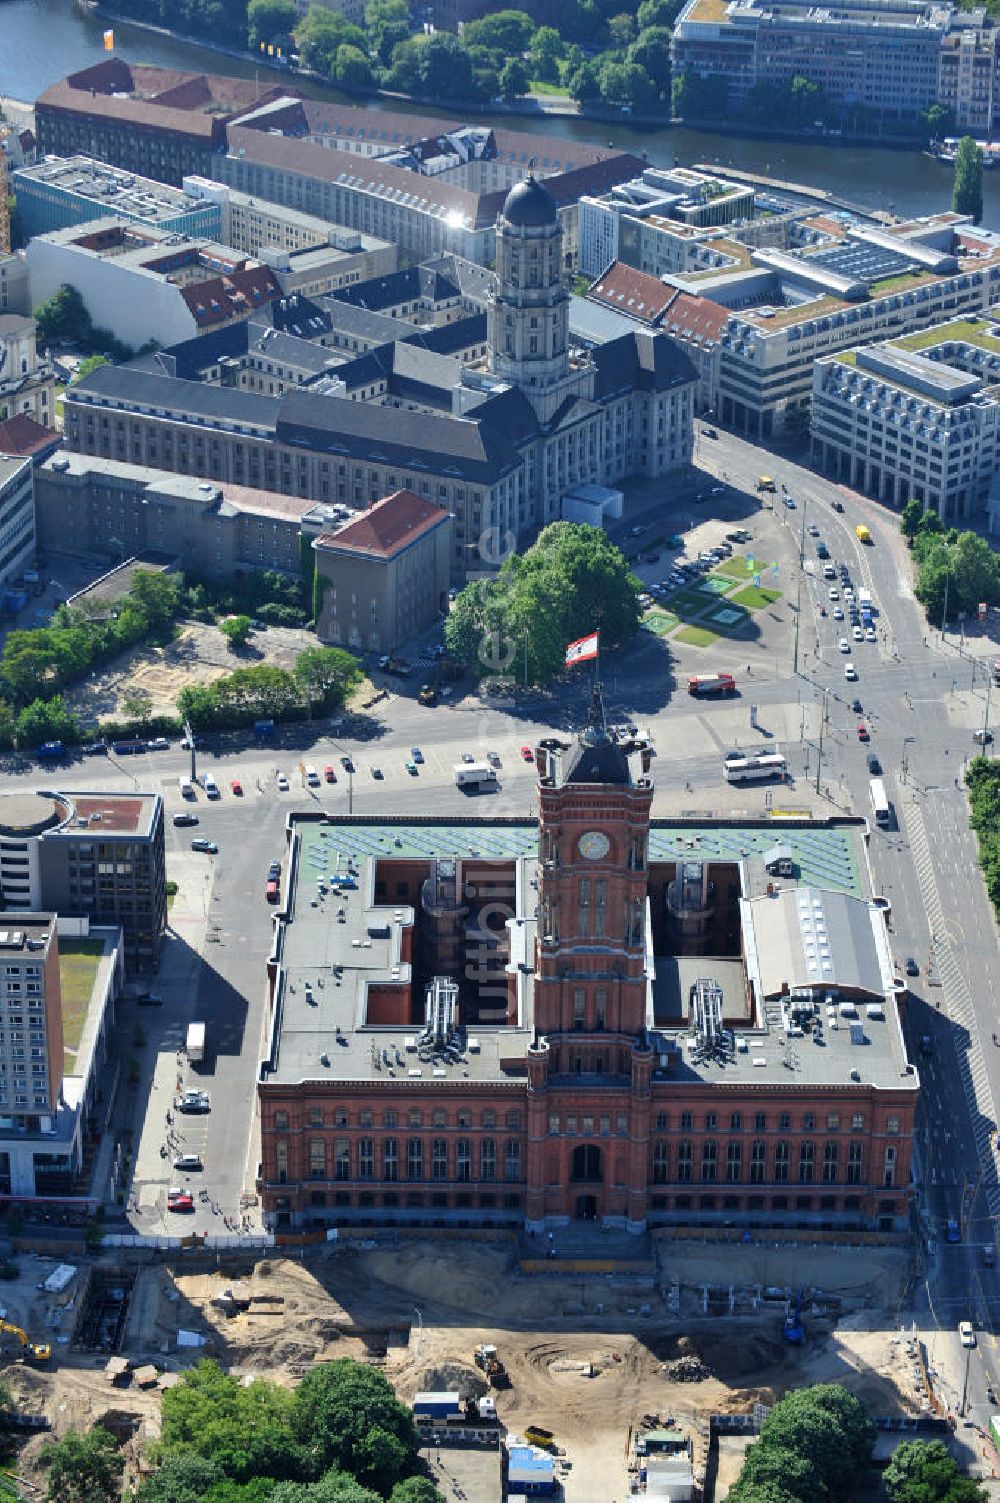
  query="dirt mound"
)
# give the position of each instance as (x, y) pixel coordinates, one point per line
(687, 1370)
(734, 1357)
(453, 1377)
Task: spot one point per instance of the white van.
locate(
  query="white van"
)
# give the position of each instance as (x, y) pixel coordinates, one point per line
(187, 788)
(210, 786)
(312, 777)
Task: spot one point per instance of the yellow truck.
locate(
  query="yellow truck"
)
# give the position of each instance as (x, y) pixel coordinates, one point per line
(862, 534)
(765, 483)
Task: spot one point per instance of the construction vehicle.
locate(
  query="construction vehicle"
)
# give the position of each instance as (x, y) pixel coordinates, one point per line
(31, 1351)
(427, 694)
(488, 1359)
(794, 1328)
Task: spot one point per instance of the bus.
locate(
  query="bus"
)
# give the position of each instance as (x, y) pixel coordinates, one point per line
(756, 768)
(880, 804)
(706, 684)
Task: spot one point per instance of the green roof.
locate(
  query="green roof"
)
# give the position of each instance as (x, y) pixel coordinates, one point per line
(962, 331)
(78, 962)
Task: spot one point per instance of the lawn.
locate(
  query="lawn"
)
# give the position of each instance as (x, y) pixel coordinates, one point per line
(542, 86)
(690, 602)
(739, 568)
(695, 636)
(78, 962)
(716, 584)
(660, 623)
(755, 597)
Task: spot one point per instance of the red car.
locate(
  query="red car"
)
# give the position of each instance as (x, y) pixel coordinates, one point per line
(527, 754)
(329, 774)
(178, 1200)
(863, 732)
(237, 787)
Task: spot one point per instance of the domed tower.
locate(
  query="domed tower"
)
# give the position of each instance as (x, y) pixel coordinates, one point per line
(528, 317)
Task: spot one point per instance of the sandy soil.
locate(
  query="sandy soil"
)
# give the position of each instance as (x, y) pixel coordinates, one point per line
(586, 1359)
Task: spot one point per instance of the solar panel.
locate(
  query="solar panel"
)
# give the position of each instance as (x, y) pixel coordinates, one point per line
(858, 1033)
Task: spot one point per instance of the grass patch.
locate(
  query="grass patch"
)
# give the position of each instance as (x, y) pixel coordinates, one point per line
(696, 636)
(739, 568)
(542, 86)
(78, 962)
(755, 597)
(690, 602)
(660, 623)
(716, 584)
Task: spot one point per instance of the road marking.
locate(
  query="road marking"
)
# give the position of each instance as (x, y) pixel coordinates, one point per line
(958, 999)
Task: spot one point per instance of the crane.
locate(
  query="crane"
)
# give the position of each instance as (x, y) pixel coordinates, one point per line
(31, 1351)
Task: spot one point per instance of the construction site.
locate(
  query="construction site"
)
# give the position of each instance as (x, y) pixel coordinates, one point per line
(586, 1360)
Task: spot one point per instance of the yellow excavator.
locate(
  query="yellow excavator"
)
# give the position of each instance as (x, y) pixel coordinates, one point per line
(36, 1352)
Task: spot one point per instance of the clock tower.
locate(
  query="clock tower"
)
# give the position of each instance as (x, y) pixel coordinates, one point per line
(590, 1063)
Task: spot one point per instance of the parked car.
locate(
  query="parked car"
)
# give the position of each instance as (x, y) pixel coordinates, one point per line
(912, 969)
(185, 819)
(850, 673)
(282, 782)
(329, 774)
(966, 1333)
(377, 773)
(188, 1161)
(158, 743)
(412, 768)
(274, 871)
(874, 765)
(235, 786)
(863, 732)
(527, 755)
(312, 777)
(207, 847)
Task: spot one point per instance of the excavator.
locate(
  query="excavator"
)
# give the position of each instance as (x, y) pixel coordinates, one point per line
(36, 1352)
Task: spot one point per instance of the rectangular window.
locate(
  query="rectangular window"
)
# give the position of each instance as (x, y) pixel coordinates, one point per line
(684, 1162)
(488, 1160)
(600, 907)
(709, 1161)
(342, 1158)
(415, 1158)
(831, 1158)
(661, 1162)
(317, 1158)
(806, 1160)
(366, 1158)
(734, 1163)
(390, 1159)
(757, 1163)
(463, 1161)
(781, 1156)
(854, 1163)
(439, 1158)
(579, 1005)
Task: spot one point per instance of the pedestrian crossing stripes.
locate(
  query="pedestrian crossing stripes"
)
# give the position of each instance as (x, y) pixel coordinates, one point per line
(958, 999)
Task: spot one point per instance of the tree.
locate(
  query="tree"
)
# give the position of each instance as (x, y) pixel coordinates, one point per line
(181, 1478)
(514, 80)
(967, 195)
(243, 1430)
(621, 30)
(63, 316)
(583, 84)
(92, 363)
(652, 53)
(137, 705)
(658, 13)
(546, 53)
(445, 68)
(326, 675)
(321, 34)
(909, 519)
(351, 69)
(237, 631)
(348, 1416)
(777, 1466)
(83, 1468)
(335, 1487)
(46, 720)
(387, 23)
(805, 101)
(696, 96)
(829, 1429)
(926, 1472)
(506, 32)
(415, 1490)
(269, 21)
(937, 121)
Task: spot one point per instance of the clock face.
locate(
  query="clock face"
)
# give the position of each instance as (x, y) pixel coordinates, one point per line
(594, 845)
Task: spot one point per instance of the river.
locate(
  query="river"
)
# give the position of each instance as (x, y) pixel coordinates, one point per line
(43, 40)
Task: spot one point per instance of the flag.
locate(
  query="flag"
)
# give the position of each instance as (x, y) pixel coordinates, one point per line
(582, 650)
(109, 41)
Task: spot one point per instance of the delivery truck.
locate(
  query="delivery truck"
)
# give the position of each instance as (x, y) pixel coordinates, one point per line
(195, 1046)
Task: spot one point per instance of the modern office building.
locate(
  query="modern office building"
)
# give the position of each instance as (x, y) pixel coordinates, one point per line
(384, 574)
(148, 285)
(881, 56)
(17, 516)
(498, 440)
(94, 856)
(663, 220)
(155, 122)
(63, 191)
(916, 419)
(597, 1017)
(58, 985)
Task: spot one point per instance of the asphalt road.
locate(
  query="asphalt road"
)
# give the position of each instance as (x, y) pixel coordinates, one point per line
(922, 696)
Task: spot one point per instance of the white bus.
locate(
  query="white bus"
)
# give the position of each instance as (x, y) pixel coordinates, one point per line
(475, 775)
(880, 804)
(755, 768)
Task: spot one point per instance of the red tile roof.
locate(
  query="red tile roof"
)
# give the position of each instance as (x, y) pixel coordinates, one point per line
(695, 318)
(20, 435)
(221, 299)
(635, 293)
(386, 528)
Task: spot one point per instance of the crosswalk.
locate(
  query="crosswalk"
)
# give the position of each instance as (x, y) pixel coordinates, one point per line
(958, 999)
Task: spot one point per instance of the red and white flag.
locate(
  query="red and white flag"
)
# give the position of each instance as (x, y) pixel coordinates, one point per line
(582, 650)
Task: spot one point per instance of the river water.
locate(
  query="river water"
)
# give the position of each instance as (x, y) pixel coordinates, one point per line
(43, 40)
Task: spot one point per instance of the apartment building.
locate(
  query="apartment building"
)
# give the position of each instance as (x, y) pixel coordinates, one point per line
(95, 856)
(915, 419)
(15, 296)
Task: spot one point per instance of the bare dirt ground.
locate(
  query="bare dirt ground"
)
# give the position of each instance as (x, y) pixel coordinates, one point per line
(198, 654)
(586, 1358)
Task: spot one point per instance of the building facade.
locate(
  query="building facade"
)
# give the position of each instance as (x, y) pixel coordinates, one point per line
(383, 577)
(94, 856)
(918, 423)
(577, 1021)
(27, 381)
(498, 441)
(17, 517)
(63, 191)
